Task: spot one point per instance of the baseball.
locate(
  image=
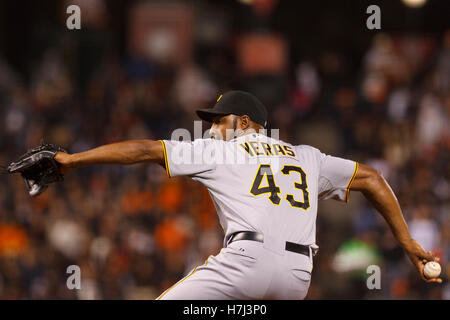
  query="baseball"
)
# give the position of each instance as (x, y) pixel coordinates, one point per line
(432, 270)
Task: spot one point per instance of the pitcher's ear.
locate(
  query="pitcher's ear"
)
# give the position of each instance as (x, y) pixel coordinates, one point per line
(245, 122)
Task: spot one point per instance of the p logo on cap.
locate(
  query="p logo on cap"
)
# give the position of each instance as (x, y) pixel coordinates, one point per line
(238, 103)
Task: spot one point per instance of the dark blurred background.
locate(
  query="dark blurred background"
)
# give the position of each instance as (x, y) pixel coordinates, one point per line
(138, 69)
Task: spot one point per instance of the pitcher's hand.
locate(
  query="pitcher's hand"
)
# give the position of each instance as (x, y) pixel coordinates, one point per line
(419, 257)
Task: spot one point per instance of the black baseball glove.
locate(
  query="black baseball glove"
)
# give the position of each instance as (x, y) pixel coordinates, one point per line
(38, 168)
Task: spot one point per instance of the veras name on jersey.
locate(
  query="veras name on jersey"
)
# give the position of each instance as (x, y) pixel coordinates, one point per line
(259, 148)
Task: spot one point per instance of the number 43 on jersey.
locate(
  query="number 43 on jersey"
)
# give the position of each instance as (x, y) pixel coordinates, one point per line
(265, 172)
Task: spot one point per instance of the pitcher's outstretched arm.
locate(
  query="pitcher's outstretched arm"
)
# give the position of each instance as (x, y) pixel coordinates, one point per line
(125, 152)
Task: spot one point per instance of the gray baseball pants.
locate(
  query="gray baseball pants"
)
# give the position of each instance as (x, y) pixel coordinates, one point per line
(244, 270)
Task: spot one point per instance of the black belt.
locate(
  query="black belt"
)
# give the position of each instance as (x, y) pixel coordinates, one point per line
(255, 236)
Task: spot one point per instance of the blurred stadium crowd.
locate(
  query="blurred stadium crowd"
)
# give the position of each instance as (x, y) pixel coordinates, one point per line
(134, 232)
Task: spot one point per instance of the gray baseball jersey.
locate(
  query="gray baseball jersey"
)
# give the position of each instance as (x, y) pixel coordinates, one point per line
(264, 185)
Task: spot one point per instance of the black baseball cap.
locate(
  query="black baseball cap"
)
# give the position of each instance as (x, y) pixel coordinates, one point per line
(238, 103)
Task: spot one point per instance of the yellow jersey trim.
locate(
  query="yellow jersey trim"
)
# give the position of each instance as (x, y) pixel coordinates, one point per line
(166, 162)
(347, 191)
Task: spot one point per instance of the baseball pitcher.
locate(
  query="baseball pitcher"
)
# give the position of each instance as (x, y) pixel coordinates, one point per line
(266, 194)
